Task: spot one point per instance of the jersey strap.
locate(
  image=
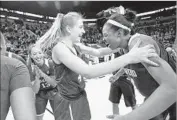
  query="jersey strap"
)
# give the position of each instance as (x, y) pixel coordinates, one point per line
(9, 54)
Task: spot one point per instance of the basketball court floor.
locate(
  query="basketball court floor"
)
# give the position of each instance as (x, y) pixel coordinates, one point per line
(97, 93)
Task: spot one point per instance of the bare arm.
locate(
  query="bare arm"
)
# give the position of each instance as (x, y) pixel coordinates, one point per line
(119, 73)
(21, 94)
(48, 79)
(62, 54)
(36, 85)
(163, 97)
(22, 103)
(94, 52)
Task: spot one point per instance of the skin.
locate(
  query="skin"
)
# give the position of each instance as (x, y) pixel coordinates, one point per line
(38, 57)
(27, 103)
(61, 54)
(165, 93)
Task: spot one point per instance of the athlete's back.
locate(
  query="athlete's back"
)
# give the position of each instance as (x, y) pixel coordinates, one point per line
(143, 80)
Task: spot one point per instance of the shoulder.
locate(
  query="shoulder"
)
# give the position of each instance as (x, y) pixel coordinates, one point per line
(13, 65)
(58, 47)
(145, 40)
(10, 61)
(18, 57)
(58, 51)
(13, 55)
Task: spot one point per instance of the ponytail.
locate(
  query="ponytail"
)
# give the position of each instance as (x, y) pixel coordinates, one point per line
(51, 37)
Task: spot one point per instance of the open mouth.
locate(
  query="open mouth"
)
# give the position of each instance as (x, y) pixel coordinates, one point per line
(38, 59)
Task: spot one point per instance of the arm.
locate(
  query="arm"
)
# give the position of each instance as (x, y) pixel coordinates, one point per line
(61, 54)
(94, 52)
(22, 102)
(21, 94)
(48, 79)
(117, 75)
(36, 85)
(165, 93)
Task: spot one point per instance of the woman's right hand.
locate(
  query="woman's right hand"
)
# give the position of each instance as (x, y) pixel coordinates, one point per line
(142, 54)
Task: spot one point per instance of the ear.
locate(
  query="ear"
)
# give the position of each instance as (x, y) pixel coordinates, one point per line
(68, 29)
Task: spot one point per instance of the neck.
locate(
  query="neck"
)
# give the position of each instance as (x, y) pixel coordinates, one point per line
(126, 40)
(68, 41)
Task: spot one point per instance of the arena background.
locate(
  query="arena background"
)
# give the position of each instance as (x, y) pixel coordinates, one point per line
(23, 22)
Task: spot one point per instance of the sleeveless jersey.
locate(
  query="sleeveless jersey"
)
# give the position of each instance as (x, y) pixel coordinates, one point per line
(69, 84)
(48, 70)
(142, 79)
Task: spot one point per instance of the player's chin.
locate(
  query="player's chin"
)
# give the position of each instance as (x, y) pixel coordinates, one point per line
(78, 40)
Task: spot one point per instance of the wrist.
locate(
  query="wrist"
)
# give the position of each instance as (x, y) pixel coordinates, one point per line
(128, 58)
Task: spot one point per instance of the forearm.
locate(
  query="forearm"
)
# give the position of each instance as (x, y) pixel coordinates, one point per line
(107, 67)
(50, 80)
(119, 73)
(36, 86)
(91, 51)
(98, 52)
(162, 98)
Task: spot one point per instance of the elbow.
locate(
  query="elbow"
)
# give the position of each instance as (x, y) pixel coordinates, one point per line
(171, 89)
(88, 76)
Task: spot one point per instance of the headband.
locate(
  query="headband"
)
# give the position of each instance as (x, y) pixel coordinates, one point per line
(118, 24)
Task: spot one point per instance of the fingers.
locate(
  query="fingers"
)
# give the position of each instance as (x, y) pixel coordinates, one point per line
(151, 62)
(153, 54)
(137, 44)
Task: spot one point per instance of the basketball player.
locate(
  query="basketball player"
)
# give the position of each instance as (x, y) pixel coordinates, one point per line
(121, 85)
(16, 88)
(157, 84)
(42, 77)
(71, 101)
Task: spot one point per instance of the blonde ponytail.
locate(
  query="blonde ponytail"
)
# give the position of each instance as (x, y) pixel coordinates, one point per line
(51, 37)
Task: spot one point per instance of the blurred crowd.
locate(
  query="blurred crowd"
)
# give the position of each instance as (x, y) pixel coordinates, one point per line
(20, 34)
(165, 33)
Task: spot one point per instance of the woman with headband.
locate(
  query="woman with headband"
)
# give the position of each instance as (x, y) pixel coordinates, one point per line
(157, 84)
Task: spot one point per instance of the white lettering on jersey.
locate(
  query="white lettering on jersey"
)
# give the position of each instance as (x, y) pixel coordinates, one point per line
(130, 72)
